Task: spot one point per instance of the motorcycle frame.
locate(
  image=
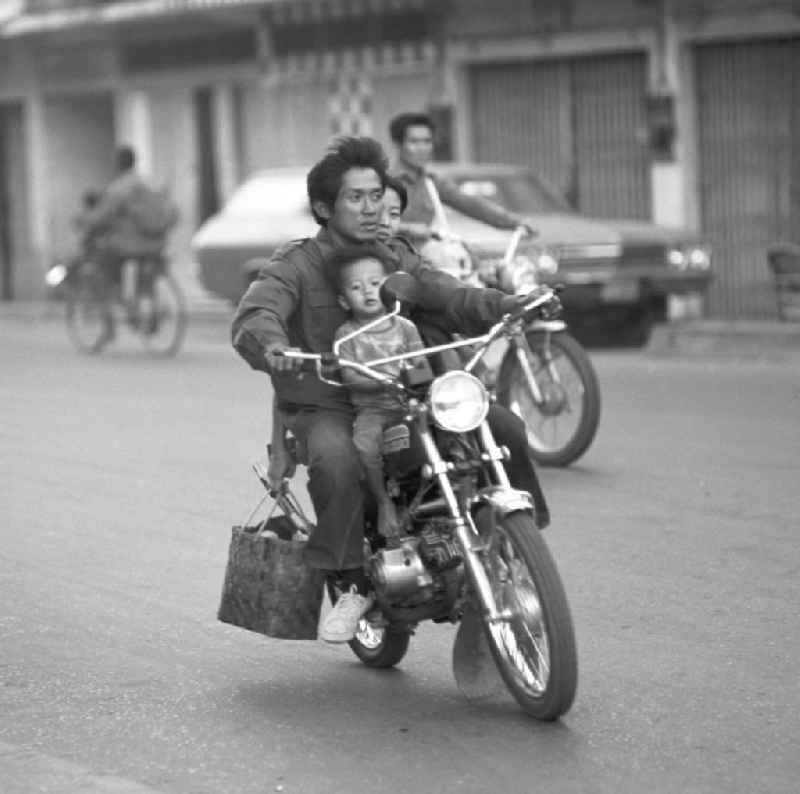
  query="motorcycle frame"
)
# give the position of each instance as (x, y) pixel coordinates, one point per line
(518, 342)
(500, 496)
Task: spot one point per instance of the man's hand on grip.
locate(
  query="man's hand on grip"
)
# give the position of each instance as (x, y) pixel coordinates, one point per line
(278, 362)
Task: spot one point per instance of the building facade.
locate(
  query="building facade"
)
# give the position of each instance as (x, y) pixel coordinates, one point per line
(679, 111)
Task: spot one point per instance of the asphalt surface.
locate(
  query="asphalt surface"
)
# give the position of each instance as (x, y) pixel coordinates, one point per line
(120, 476)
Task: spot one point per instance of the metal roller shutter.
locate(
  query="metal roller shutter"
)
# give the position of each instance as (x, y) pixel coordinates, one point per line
(748, 97)
(576, 121)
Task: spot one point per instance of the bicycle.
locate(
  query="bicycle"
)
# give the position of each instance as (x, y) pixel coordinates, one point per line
(147, 300)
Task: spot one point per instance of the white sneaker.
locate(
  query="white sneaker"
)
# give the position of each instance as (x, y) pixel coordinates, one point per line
(341, 622)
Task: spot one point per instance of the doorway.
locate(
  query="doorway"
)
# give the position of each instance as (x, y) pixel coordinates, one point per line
(14, 236)
(207, 178)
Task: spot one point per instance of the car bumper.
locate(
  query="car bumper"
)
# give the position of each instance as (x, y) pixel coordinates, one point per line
(618, 286)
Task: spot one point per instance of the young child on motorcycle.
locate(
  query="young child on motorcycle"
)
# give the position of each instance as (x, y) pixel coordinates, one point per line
(395, 200)
(359, 273)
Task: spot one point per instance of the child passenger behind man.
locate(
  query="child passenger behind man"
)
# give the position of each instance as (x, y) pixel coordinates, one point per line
(358, 273)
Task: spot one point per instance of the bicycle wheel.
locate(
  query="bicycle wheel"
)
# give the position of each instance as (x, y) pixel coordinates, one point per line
(90, 325)
(162, 316)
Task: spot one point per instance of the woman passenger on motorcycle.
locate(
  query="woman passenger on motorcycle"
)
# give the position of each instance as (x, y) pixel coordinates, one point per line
(395, 201)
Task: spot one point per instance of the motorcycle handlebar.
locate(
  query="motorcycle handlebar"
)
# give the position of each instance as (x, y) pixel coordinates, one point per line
(517, 236)
(309, 360)
(513, 244)
(321, 362)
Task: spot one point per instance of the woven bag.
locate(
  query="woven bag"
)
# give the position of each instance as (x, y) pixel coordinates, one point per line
(268, 586)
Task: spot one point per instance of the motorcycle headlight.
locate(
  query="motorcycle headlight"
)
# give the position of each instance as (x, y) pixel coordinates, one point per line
(55, 275)
(547, 263)
(458, 401)
(522, 275)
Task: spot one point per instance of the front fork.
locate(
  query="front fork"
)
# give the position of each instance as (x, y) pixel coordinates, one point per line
(466, 532)
(523, 353)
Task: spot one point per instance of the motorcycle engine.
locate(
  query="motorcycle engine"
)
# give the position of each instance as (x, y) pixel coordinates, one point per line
(399, 573)
(413, 569)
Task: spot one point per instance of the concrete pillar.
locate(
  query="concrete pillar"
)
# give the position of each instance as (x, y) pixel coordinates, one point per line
(668, 178)
(38, 201)
(135, 127)
(226, 139)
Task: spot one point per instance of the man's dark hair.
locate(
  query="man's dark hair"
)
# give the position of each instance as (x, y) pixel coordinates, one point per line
(397, 185)
(399, 125)
(342, 258)
(324, 180)
(126, 158)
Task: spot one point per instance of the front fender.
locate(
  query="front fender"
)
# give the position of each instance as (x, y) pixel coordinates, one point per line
(503, 500)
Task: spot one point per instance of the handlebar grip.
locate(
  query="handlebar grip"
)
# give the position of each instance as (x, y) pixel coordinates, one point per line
(306, 364)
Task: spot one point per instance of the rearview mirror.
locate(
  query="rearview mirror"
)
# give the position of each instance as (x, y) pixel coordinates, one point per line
(400, 286)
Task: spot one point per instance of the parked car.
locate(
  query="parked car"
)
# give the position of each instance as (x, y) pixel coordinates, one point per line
(614, 272)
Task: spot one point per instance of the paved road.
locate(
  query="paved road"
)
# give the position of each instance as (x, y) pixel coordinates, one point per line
(677, 538)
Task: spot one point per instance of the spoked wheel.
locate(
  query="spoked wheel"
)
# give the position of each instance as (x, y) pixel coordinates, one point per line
(533, 643)
(562, 423)
(89, 323)
(162, 316)
(375, 644)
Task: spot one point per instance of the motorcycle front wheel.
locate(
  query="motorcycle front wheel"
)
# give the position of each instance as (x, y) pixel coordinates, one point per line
(562, 423)
(375, 645)
(533, 643)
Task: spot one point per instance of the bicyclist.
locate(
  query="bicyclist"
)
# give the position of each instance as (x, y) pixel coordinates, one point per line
(117, 220)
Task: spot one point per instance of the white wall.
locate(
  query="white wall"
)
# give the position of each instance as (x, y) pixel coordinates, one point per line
(79, 154)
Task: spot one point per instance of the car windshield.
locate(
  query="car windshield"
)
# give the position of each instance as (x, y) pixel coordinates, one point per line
(269, 196)
(520, 192)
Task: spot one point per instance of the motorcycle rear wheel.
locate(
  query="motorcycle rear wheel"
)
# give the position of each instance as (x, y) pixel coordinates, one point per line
(376, 646)
(534, 647)
(561, 429)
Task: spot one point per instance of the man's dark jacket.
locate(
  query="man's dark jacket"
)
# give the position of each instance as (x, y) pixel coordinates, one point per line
(293, 304)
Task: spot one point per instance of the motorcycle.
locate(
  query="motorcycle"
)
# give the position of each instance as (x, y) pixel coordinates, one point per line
(546, 377)
(470, 552)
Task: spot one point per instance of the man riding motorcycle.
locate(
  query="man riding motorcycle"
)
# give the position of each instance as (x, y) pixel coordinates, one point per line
(292, 305)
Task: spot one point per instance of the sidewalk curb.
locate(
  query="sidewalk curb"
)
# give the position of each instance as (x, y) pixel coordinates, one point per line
(738, 339)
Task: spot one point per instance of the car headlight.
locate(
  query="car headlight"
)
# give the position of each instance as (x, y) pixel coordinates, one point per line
(693, 256)
(700, 257)
(677, 258)
(458, 401)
